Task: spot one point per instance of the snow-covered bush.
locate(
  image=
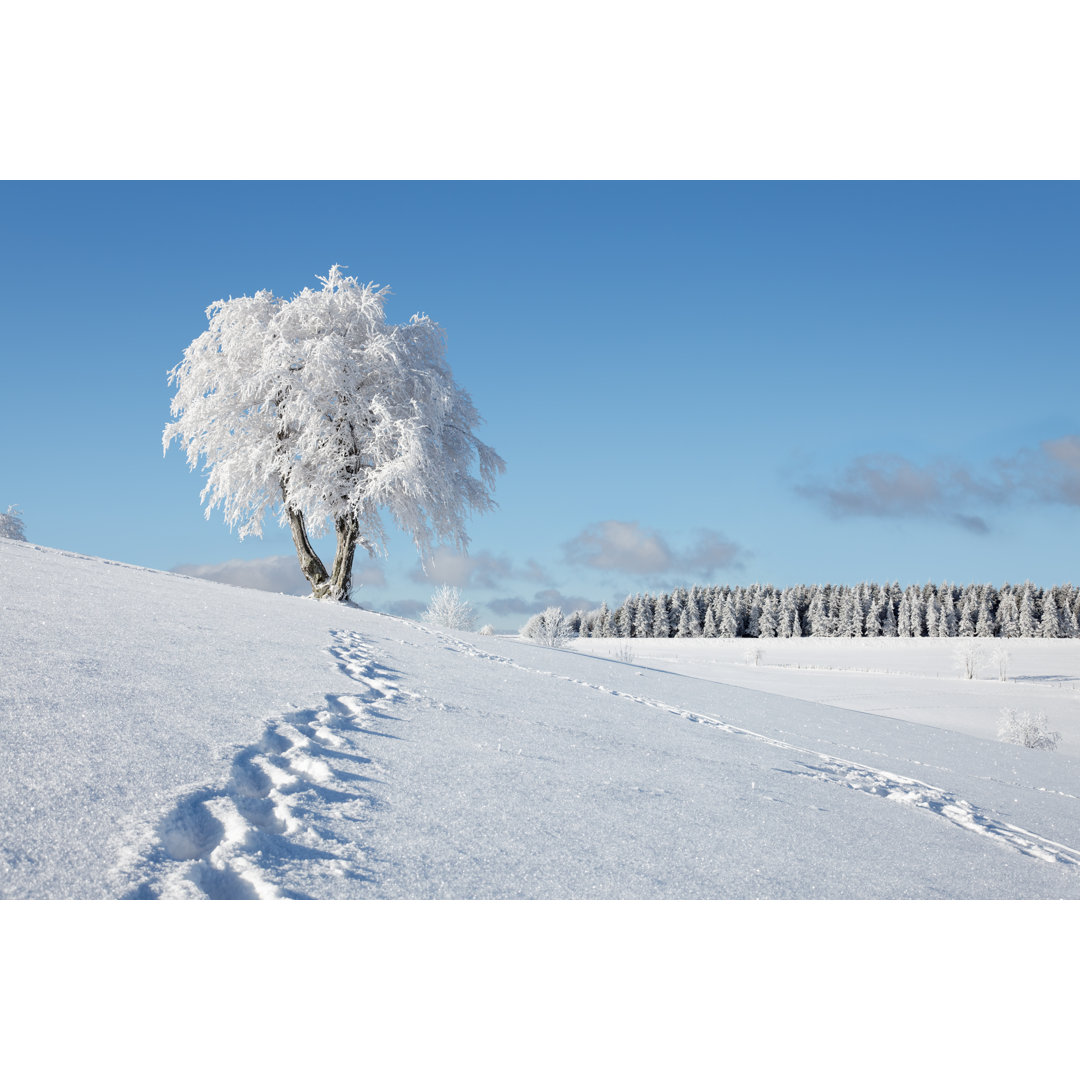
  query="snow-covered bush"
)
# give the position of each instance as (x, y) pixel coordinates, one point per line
(448, 609)
(752, 656)
(487, 629)
(11, 525)
(625, 654)
(1027, 729)
(549, 627)
(968, 657)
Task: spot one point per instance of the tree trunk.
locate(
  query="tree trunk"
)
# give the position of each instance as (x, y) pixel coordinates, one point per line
(337, 585)
(311, 566)
(348, 536)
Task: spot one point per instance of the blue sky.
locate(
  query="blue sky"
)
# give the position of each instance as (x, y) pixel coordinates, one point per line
(689, 381)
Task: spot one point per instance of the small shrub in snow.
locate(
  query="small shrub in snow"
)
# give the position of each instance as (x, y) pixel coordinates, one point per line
(11, 526)
(752, 656)
(487, 629)
(968, 657)
(448, 609)
(1027, 729)
(550, 627)
(625, 654)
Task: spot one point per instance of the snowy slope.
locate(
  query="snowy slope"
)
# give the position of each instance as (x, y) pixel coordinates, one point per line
(172, 737)
(919, 679)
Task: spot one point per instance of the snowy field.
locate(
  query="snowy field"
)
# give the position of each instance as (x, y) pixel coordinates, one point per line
(917, 679)
(167, 737)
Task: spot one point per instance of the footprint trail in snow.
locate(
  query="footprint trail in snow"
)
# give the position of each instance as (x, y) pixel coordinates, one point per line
(285, 824)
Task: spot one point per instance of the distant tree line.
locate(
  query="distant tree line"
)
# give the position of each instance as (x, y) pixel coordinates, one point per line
(865, 610)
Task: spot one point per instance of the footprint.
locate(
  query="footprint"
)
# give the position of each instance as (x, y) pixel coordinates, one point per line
(191, 831)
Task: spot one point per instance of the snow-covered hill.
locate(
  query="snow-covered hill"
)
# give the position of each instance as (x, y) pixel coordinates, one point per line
(172, 737)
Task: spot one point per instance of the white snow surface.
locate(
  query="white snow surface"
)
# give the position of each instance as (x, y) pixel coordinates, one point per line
(918, 679)
(169, 737)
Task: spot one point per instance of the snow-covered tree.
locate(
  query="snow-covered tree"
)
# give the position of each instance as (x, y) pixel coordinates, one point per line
(1050, 623)
(11, 524)
(643, 620)
(729, 626)
(661, 627)
(769, 620)
(448, 609)
(1027, 621)
(320, 408)
(549, 627)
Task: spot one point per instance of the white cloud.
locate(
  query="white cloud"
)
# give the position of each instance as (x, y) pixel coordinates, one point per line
(626, 547)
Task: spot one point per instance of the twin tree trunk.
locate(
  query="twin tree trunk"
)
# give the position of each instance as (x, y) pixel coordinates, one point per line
(336, 585)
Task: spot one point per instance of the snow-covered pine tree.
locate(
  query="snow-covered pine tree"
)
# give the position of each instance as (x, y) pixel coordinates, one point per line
(903, 618)
(753, 611)
(320, 407)
(874, 612)
(1068, 619)
(693, 611)
(729, 626)
(1009, 614)
(769, 620)
(948, 611)
(710, 629)
(1050, 619)
(643, 618)
(786, 614)
(1029, 626)
(968, 614)
(933, 616)
(661, 627)
(892, 604)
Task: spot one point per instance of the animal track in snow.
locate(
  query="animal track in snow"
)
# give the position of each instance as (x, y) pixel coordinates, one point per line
(279, 808)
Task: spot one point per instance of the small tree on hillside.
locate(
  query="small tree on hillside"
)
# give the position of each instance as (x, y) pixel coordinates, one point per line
(11, 524)
(448, 609)
(320, 408)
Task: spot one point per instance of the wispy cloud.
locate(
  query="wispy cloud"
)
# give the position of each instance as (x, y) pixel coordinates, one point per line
(889, 485)
(276, 573)
(627, 547)
(479, 570)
